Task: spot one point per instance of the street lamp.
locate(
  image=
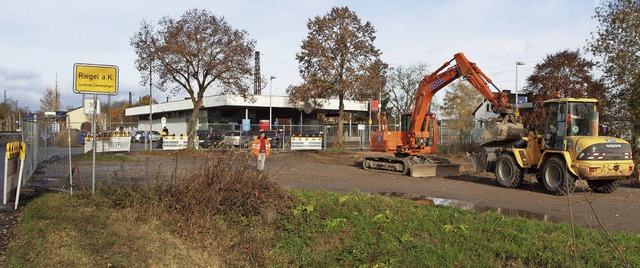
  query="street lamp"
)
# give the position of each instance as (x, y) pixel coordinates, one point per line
(517, 63)
(270, 93)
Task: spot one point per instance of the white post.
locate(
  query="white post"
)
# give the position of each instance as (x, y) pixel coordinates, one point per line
(6, 181)
(19, 183)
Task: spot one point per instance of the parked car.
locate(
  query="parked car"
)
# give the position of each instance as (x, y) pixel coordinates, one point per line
(274, 137)
(141, 136)
(209, 138)
(237, 138)
(136, 136)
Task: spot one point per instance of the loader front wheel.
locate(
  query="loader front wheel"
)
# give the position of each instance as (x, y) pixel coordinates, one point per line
(556, 178)
(508, 173)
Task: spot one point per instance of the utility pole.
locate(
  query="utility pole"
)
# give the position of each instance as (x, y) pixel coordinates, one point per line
(150, 107)
(56, 105)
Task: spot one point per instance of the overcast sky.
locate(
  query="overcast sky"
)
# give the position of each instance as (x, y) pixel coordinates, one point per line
(40, 40)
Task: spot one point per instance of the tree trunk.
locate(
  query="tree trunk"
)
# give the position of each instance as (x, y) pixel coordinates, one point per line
(191, 129)
(339, 136)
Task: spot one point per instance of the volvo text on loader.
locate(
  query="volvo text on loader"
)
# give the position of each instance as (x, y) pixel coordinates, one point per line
(415, 144)
(569, 149)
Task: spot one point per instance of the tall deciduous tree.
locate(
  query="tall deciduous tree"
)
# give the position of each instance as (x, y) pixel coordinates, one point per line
(617, 43)
(459, 103)
(562, 74)
(402, 84)
(50, 102)
(192, 54)
(338, 59)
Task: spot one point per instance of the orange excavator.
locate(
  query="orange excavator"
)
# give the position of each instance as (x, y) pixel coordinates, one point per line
(415, 144)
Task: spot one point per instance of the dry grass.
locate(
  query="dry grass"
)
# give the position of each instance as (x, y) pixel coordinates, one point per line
(224, 203)
(79, 232)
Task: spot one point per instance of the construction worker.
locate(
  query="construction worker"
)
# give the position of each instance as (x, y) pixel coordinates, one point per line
(165, 132)
(261, 148)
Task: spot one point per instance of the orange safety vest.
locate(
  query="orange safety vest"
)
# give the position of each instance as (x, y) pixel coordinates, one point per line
(255, 148)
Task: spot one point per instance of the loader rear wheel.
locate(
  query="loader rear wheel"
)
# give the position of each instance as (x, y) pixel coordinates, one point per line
(556, 178)
(508, 173)
(603, 186)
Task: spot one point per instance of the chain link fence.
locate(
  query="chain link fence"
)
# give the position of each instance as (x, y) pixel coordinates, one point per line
(49, 139)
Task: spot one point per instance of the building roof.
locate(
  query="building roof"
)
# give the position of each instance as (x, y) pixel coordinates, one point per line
(237, 100)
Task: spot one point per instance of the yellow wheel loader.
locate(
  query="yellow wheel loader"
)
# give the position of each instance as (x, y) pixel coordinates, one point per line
(569, 149)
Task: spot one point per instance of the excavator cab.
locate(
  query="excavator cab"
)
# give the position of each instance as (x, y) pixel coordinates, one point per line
(425, 137)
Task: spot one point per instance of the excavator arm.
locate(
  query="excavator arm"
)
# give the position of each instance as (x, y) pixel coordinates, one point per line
(437, 80)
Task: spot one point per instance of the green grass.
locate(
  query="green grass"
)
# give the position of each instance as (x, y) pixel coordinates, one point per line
(103, 157)
(360, 230)
(323, 229)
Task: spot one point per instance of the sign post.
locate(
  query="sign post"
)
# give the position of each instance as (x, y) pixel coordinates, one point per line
(95, 79)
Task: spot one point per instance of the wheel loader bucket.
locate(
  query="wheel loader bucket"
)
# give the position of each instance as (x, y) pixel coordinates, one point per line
(500, 131)
(434, 170)
(478, 161)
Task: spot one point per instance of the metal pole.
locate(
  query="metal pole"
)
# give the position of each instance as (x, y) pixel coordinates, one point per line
(69, 143)
(95, 136)
(150, 111)
(517, 63)
(270, 94)
(108, 123)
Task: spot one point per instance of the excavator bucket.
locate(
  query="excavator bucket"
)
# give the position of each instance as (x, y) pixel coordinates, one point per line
(434, 170)
(501, 131)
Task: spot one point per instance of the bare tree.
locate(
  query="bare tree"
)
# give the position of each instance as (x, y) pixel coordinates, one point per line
(338, 59)
(50, 102)
(193, 53)
(402, 85)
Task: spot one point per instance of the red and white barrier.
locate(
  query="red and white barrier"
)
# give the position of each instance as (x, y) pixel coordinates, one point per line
(306, 142)
(111, 142)
(176, 142)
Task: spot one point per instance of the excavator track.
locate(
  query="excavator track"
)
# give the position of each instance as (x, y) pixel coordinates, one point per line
(414, 166)
(393, 165)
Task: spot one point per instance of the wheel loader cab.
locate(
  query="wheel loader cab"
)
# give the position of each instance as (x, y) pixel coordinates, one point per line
(567, 118)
